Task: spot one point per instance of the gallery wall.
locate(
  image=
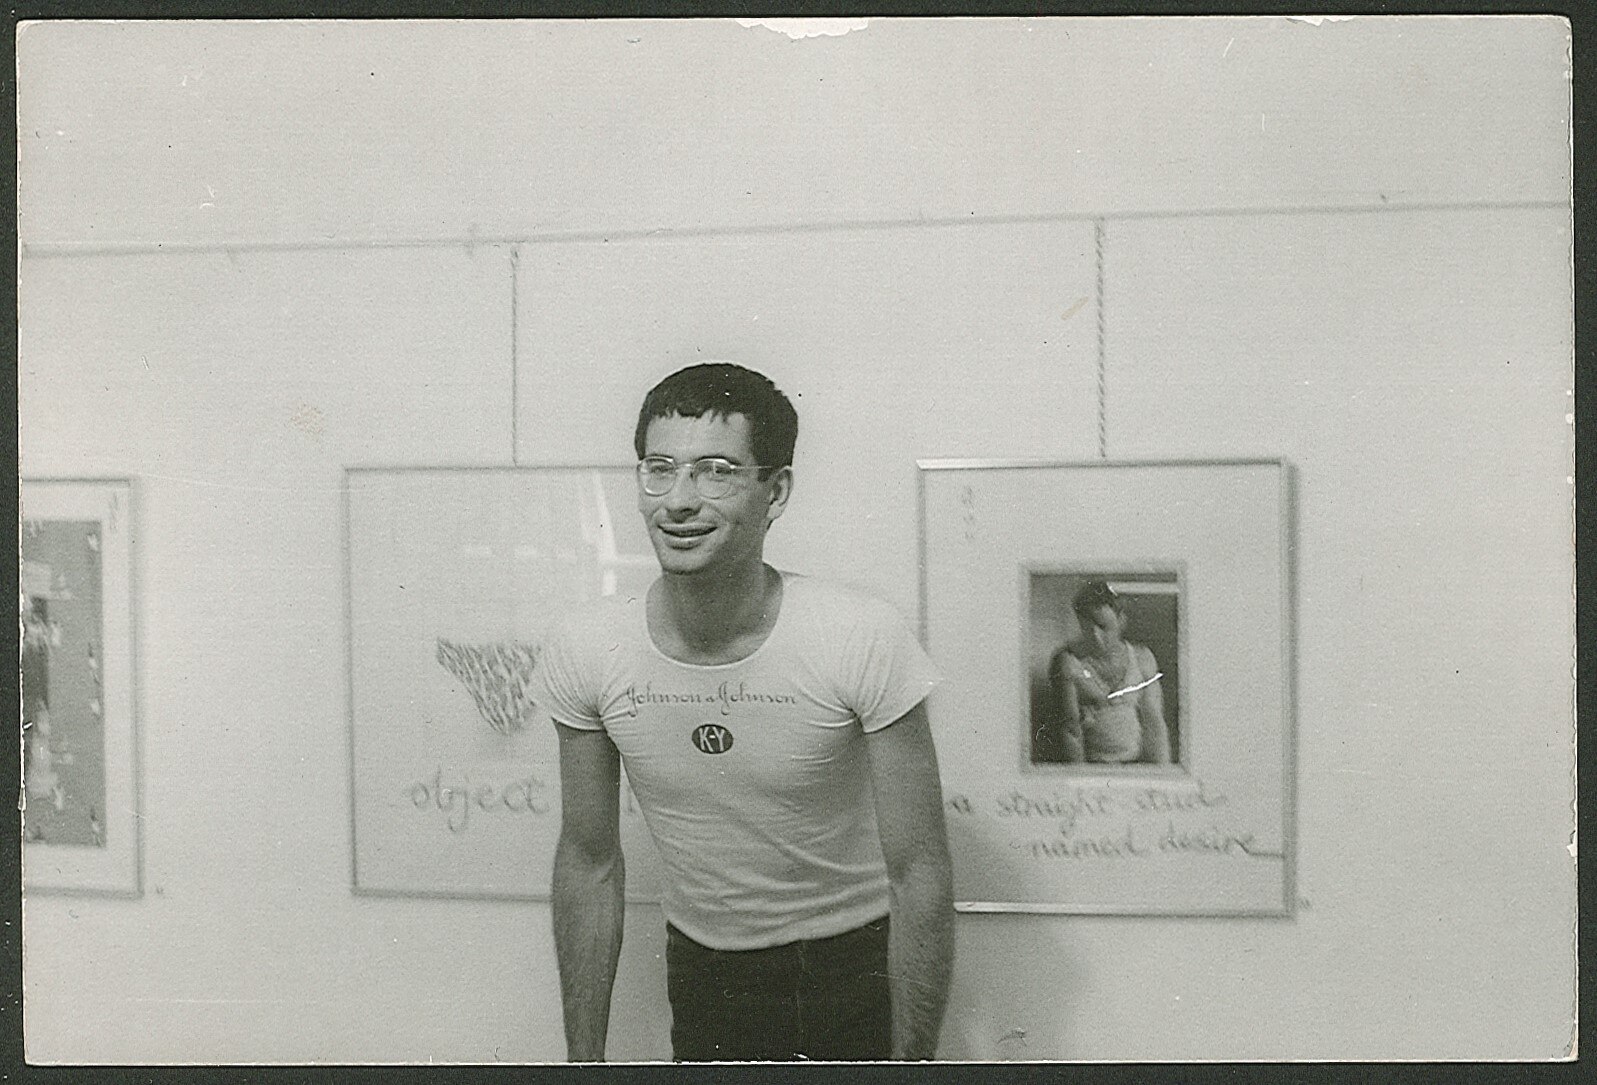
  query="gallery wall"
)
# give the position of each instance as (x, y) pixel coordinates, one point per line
(256, 256)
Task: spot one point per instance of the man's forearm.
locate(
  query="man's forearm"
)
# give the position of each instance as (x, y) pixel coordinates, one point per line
(1155, 733)
(920, 955)
(588, 902)
(1072, 746)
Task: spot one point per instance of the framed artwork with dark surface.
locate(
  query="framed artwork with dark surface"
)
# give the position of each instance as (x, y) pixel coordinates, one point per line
(80, 822)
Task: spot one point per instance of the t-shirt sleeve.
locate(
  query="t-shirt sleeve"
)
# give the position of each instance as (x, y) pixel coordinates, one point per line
(561, 684)
(891, 673)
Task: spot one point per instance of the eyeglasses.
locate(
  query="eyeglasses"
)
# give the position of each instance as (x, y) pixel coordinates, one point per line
(713, 476)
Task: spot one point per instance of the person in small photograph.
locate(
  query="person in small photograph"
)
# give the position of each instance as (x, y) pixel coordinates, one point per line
(1108, 687)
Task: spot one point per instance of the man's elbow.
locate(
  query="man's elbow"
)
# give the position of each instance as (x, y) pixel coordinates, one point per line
(593, 857)
(926, 870)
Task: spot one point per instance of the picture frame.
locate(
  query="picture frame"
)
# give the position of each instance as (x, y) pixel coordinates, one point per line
(1115, 722)
(81, 792)
(453, 576)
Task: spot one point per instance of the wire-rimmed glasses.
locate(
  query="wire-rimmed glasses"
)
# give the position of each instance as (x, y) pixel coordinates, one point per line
(713, 476)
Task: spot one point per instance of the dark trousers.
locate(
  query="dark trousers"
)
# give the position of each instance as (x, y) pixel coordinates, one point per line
(825, 999)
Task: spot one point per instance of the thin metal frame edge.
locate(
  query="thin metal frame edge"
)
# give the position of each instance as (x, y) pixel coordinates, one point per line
(1030, 464)
(349, 672)
(1289, 702)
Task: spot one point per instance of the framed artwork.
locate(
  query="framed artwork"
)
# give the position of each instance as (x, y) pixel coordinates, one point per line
(80, 817)
(454, 576)
(1114, 726)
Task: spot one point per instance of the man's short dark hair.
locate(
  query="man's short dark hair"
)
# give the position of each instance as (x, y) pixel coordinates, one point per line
(1092, 595)
(721, 389)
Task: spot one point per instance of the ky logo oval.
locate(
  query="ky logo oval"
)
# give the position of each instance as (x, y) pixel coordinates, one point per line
(712, 738)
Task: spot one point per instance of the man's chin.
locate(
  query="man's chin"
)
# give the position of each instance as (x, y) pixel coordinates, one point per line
(680, 562)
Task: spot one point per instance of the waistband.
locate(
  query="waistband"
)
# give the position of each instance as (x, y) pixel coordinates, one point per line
(875, 928)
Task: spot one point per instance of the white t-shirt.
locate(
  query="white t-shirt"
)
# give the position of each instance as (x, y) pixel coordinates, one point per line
(752, 776)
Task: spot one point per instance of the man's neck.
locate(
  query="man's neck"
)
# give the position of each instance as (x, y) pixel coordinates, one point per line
(716, 618)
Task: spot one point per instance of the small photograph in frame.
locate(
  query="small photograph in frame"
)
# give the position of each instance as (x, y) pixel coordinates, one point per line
(79, 791)
(1103, 667)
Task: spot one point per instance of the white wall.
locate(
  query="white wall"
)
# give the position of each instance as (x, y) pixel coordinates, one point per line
(208, 133)
(256, 255)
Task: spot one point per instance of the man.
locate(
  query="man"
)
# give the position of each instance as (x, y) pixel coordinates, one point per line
(774, 731)
(1108, 686)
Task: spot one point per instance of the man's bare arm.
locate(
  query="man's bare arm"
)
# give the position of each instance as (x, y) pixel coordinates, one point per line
(1090, 689)
(909, 814)
(1150, 712)
(1062, 672)
(588, 889)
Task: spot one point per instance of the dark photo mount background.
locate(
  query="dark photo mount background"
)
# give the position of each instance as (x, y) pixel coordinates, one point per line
(74, 749)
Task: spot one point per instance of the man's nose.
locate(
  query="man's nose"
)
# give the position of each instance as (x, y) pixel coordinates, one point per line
(684, 492)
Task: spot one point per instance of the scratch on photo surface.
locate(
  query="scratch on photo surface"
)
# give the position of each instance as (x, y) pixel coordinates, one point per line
(1139, 685)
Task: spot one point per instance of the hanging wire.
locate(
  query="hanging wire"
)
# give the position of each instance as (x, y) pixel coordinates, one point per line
(515, 363)
(1103, 382)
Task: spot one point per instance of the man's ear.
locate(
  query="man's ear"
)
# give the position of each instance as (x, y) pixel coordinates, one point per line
(781, 483)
